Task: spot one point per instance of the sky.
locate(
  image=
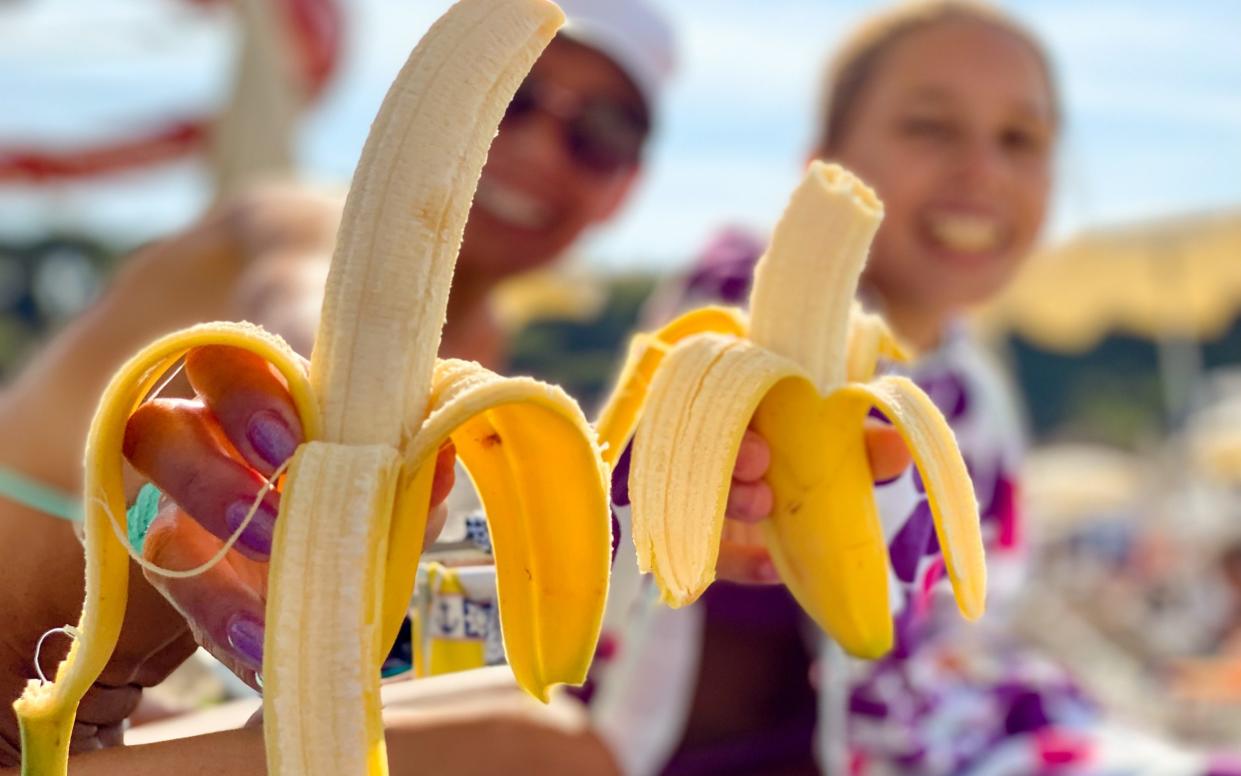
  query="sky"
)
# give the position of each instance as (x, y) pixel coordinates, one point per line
(1153, 93)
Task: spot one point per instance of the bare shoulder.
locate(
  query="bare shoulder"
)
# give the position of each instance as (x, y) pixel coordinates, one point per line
(280, 217)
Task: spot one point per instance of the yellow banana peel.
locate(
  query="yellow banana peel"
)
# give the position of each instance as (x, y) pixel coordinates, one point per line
(619, 415)
(376, 407)
(801, 371)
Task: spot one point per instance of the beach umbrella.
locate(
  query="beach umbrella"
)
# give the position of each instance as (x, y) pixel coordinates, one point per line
(1176, 282)
(1176, 278)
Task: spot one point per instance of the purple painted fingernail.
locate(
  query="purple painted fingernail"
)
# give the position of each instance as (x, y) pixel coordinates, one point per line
(257, 536)
(245, 636)
(270, 437)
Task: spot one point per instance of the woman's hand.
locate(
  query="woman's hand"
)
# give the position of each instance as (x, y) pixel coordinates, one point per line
(743, 557)
(210, 456)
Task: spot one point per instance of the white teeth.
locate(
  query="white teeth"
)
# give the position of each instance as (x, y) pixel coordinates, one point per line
(512, 206)
(964, 232)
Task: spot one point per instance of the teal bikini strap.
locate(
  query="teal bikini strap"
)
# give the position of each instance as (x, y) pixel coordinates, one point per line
(28, 492)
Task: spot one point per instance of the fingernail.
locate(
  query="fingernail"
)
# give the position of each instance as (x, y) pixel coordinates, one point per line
(270, 437)
(258, 533)
(245, 636)
(766, 572)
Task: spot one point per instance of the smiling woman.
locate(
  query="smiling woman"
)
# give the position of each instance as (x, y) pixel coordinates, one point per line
(949, 110)
(955, 124)
(566, 156)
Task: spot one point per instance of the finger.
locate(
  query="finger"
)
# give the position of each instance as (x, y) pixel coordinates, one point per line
(112, 735)
(747, 564)
(888, 454)
(84, 738)
(435, 524)
(105, 706)
(222, 606)
(154, 640)
(250, 402)
(753, 458)
(441, 486)
(176, 444)
(445, 473)
(749, 502)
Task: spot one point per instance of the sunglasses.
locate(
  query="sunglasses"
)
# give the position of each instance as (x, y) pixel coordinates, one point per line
(600, 134)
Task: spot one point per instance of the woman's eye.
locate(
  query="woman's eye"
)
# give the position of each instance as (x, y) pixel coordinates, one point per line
(1020, 140)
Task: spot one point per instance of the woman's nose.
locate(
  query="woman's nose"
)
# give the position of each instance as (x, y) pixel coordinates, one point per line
(980, 162)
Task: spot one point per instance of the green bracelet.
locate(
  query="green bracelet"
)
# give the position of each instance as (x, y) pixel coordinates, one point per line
(141, 514)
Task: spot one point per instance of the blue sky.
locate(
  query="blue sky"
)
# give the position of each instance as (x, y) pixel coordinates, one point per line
(1153, 91)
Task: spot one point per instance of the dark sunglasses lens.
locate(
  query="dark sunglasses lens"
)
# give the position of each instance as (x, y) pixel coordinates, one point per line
(524, 101)
(606, 138)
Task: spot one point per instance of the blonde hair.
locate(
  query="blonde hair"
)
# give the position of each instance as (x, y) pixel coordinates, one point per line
(859, 56)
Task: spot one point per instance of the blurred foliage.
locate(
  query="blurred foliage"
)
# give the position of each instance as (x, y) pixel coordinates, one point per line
(44, 283)
(1109, 395)
(583, 356)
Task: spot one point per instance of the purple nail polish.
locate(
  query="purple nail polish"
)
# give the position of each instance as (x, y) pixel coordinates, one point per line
(270, 437)
(245, 636)
(258, 534)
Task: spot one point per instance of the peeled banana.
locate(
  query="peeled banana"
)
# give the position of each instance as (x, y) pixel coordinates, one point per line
(376, 406)
(801, 370)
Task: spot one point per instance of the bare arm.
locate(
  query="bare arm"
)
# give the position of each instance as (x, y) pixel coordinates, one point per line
(44, 418)
(195, 276)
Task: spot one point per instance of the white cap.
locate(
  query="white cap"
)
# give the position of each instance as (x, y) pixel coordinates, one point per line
(631, 33)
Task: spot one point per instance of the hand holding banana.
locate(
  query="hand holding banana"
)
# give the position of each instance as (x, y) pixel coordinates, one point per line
(374, 410)
(801, 372)
(744, 559)
(209, 457)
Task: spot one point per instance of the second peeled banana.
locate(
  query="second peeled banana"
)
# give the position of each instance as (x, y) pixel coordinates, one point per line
(801, 371)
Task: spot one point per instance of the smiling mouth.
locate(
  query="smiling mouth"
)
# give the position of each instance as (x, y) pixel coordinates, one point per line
(966, 233)
(511, 206)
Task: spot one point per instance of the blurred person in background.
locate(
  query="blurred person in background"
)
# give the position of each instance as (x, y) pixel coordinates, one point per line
(566, 158)
(950, 111)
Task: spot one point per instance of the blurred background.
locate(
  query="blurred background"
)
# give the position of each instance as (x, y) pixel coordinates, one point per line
(1123, 337)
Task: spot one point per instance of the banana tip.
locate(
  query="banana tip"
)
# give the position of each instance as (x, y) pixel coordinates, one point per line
(839, 181)
(555, 14)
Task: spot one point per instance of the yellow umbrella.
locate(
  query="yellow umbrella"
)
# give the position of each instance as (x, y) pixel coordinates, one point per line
(1177, 279)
